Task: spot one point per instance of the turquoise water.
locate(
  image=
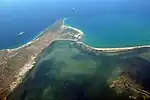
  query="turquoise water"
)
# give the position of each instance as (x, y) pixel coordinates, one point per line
(81, 75)
(105, 23)
(114, 24)
(64, 69)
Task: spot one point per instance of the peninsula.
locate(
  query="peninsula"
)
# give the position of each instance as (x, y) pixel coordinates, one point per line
(16, 63)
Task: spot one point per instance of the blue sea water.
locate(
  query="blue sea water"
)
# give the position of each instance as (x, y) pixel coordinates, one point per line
(113, 24)
(29, 16)
(105, 23)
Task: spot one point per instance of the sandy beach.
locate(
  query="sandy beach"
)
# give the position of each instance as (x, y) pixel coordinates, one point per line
(80, 32)
(105, 49)
(27, 53)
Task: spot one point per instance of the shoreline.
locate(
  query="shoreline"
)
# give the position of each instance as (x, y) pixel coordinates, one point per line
(116, 49)
(17, 62)
(27, 53)
(36, 38)
(42, 41)
(119, 49)
(29, 65)
(29, 42)
(25, 56)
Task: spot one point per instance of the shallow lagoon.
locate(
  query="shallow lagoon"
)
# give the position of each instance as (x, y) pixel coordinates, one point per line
(63, 72)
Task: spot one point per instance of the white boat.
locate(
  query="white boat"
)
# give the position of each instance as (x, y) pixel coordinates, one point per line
(21, 33)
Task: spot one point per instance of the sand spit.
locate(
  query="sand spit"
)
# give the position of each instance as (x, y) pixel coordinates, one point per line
(109, 50)
(119, 49)
(16, 63)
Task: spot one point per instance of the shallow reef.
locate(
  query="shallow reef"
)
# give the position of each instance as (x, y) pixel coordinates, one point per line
(63, 71)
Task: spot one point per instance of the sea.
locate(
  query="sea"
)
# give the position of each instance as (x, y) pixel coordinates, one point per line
(61, 68)
(105, 23)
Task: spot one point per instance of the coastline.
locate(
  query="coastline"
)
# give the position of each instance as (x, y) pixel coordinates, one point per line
(28, 52)
(21, 59)
(24, 70)
(117, 49)
(28, 43)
